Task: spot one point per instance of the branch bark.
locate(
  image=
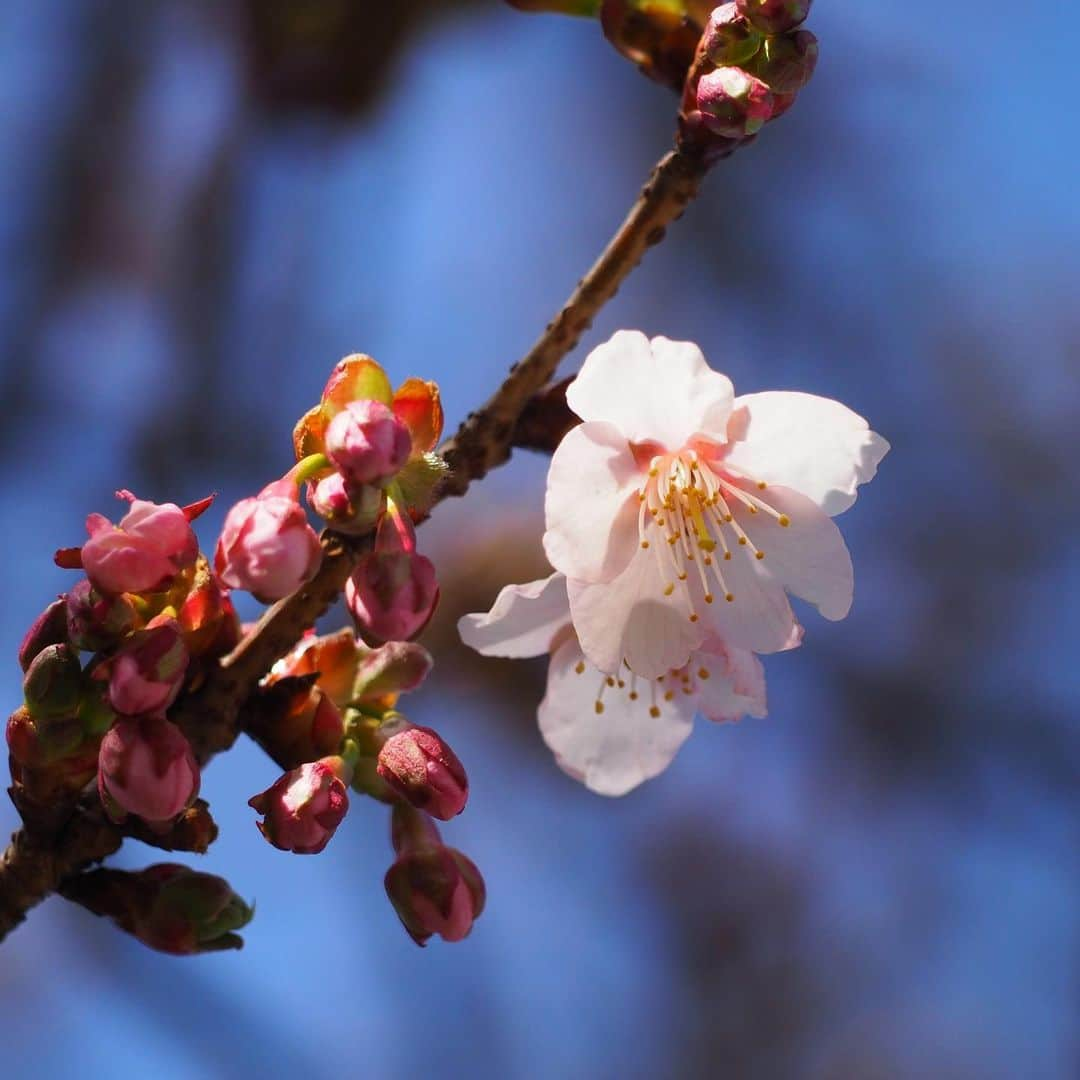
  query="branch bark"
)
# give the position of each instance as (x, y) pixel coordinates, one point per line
(35, 864)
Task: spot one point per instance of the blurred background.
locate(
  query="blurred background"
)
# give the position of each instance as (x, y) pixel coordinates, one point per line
(204, 205)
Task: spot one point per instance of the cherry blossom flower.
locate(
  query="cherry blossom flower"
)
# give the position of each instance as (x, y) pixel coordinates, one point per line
(613, 731)
(679, 511)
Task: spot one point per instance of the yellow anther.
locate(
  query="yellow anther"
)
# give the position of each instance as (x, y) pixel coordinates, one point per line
(703, 673)
(784, 520)
(620, 684)
(761, 485)
(693, 618)
(599, 706)
(645, 543)
(579, 667)
(654, 712)
(610, 681)
(742, 542)
(669, 589)
(654, 471)
(708, 560)
(727, 556)
(759, 554)
(670, 695)
(633, 695)
(708, 598)
(682, 576)
(730, 597)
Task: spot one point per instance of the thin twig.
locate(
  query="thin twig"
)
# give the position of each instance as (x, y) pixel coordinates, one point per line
(34, 865)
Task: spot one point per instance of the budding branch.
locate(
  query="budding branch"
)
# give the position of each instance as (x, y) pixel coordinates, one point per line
(517, 414)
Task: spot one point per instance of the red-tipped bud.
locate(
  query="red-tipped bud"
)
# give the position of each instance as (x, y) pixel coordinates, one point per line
(168, 907)
(732, 103)
(49, 628)
(96, 621)
(392, 597)
(267, 546)
(729, 39)
(146, 674)
(434, 889)
(302, 809)
(774, 16)
(36, 743)
(348, 508)
(53, 682)
(149, 547)
(146, 768)
(787, 62)
(423, 770)
(367, 442)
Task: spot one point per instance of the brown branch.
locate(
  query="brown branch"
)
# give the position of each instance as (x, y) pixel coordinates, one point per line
(483, 442)
(34, 864)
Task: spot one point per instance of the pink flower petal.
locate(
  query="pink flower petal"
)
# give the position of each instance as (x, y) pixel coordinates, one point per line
(523, 621)
(809, 557)
(811, 444)
(591, 506)
(735, 685)
(616, 749)
(631, 619)
(660, 391)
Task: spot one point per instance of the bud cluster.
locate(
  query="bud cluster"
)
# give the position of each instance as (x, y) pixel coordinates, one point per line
(751, 62)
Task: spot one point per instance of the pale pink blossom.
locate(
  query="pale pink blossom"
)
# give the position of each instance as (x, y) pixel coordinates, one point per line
(678, 511)
(613, 731)
(267, 546)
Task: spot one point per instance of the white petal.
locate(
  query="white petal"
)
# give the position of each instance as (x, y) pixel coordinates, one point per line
(523, 621)
(614, 750)
(735, 685)
(661, 391)
(591, 507)
(809, 557)
(630, 619)
(811, 444)
(760, 617)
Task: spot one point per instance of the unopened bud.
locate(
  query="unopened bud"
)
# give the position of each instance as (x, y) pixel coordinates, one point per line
(36, 743)
(53, 682)
(367, 442)
(732, 103)
(303, 808)
(168, 907)
(774, 16)
(146, 674)
(146, 768)
(421, 768)
(96, 621)
(150, 546)
(434, 889)
(729, 38)
(267, 546)
(390, 670)
(349, 508)
(787, 62)
(49, 628)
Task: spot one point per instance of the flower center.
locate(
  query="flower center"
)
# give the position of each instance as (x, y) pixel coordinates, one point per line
(687, 519)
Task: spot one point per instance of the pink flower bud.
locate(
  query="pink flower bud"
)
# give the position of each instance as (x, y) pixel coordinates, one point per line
(267, 546)
(49, 628)
(149, 547)
(96, 621)
(729, 38)
(392, 597)
(422, 769)
(146, 674)
(732, 103)
(367, 442)
(774, 16)
(348, 508)
(146, 768)
(303, 808)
